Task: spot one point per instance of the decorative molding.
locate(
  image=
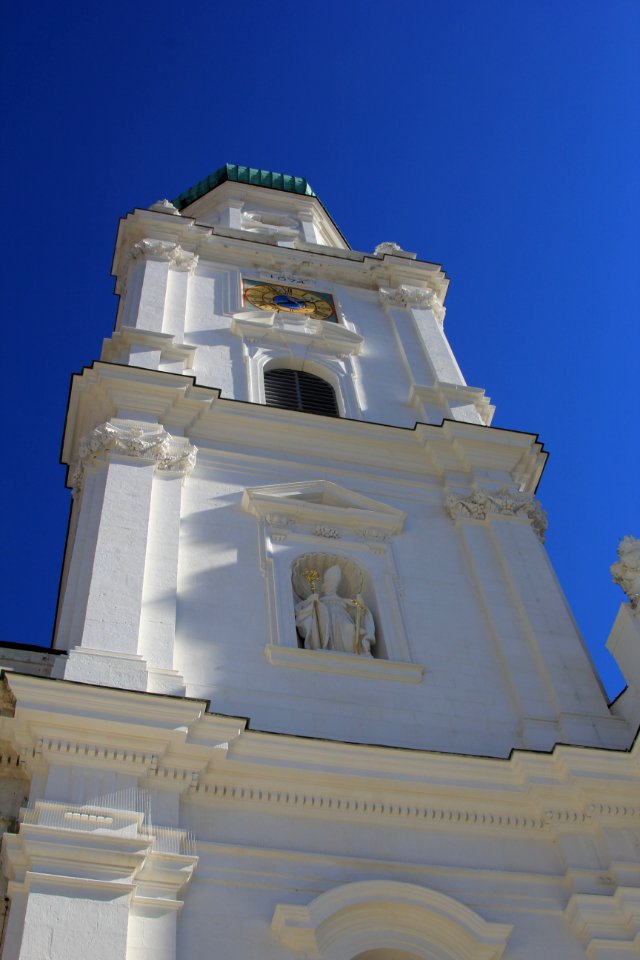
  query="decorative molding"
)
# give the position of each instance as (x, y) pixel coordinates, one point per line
(345, 664)
(420, 298)
(626, 572)
(327, 532)
(122, 341)
(279, 326)
(363, 915)
(99, 845)
(613, 810)
(329, 505)
(603, 921)
(173, 253)
(171, 454)
(453, 395)
(431, 451)
(482, 503)
(306, 801)
(74, 752)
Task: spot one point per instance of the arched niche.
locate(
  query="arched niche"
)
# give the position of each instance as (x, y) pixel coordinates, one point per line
(387, 920)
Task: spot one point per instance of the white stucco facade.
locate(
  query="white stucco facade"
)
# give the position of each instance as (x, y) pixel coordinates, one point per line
(199, 784)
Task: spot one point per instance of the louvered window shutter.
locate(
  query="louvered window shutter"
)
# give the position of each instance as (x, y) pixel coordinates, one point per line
(296, 390)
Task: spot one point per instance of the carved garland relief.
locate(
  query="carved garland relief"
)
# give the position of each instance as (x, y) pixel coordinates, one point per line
(170, 453)
(481, 503)
(418, 297)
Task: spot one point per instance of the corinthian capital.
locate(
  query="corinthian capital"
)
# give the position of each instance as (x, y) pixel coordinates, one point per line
(164, 250)
(417, 297)
(626, 572)
(481, 503)
(171, 454)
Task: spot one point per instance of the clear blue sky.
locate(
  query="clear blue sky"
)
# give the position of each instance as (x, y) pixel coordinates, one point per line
(497, 137)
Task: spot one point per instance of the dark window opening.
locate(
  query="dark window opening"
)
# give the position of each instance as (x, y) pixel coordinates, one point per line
(297, 390)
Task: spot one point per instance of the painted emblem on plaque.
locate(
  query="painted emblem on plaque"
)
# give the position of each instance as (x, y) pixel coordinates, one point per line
(289, 299)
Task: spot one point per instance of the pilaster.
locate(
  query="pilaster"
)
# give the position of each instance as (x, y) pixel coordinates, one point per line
(104, 592)
(438, 388)
(92, 881)
(151, 289)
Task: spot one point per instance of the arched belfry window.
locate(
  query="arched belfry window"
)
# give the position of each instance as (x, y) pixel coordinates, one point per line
(298, 390)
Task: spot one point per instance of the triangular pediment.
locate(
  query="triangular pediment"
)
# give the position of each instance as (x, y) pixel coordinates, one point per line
(321, 501)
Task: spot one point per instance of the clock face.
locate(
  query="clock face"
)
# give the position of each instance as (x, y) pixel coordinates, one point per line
(290, 299)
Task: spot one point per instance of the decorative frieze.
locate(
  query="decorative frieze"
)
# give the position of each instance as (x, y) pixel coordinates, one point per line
(366, 808)
(75, 752)
(421, 298)
(171, 454)
(482, 503)
(173, 253)
(626, 572)
(329, 533)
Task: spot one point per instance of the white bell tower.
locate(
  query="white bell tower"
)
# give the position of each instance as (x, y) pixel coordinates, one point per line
(317, 692)
(309, 395)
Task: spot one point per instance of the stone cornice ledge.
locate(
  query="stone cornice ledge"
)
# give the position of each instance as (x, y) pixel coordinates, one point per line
(454, 394)
(345, 664)
(126, 337)
(199, 412)
(224, 244)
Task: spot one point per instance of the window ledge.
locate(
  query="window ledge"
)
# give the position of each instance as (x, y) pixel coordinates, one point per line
(345, 664)
(276, 326)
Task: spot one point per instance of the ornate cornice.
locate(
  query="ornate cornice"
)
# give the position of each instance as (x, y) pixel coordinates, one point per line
(482, 503)
(420, 298)
(350, 806)
(171, 454)
(166, 250)
(74, 751)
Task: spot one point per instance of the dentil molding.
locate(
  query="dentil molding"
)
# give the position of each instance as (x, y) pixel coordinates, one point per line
(171, 454)
(482, 503)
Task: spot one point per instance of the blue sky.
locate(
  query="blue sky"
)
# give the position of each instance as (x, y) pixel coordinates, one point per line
(498, 138)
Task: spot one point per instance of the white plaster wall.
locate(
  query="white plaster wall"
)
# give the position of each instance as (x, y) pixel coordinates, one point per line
(496, 674)
(230, 903)
(197, 310)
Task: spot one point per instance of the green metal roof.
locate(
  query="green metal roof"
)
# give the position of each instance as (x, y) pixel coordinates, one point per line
(237, 174)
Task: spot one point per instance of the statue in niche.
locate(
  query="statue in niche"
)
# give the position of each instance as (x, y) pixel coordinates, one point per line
(325, 618)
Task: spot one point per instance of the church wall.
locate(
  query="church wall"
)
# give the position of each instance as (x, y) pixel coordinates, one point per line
(231, 901)
(485, 687)
(199, 785)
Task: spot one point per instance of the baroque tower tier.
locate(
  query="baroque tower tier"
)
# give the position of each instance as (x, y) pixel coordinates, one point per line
(314, 653)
